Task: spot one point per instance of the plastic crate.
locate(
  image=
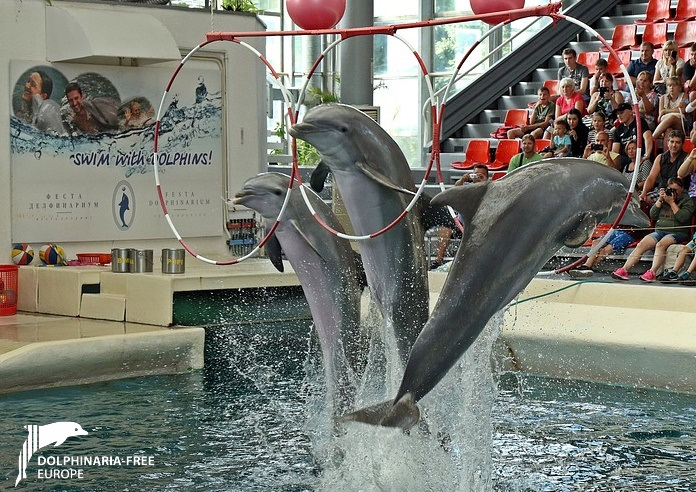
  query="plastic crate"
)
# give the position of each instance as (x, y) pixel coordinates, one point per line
(9, 275)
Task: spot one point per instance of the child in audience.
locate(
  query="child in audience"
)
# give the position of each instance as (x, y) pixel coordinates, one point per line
(560, 145)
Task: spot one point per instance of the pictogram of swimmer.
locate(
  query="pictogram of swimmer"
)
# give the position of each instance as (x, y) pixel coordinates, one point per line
(122, 207)
(41, 436)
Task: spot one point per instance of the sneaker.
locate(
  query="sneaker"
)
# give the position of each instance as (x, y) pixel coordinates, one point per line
(621, 274)
(668, 276)
(581, 272)
(648, 276)
(684, 276)
(690, 107)
(689, 281)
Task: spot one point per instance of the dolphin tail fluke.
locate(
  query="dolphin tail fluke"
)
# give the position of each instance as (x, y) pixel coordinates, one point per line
(403, 414)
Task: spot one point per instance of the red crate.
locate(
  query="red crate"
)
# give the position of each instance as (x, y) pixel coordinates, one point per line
(8, 289)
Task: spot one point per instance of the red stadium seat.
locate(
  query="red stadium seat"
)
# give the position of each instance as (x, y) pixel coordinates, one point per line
(686, 10)
(656, 11)
(614, 67)
(552, 86)
(542, 143)
(498, 175)
(688, 146)
(623, 38)
(588, 58)
(654, 33)
(477, 152)
(506, 149)
(516, 117)
(685, 34)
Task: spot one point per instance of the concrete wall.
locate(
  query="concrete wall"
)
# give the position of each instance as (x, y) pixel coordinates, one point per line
(22, 37)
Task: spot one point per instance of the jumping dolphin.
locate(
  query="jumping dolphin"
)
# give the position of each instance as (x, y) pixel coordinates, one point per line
(376, 185)
(512, 227)
(328, 273)
(40, 436)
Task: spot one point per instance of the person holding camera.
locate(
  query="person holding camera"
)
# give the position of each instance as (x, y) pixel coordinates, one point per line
(669, 65)
(600, 151)
(672, 212)
(605, 99)
(666, 166)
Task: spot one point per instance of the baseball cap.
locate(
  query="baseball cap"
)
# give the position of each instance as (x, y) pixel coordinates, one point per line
(623, 107)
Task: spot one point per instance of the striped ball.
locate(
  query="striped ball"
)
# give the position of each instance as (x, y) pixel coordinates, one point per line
(22, 254)
(52, 254)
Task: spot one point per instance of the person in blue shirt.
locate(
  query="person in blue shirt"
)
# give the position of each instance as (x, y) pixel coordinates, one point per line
(646, 62)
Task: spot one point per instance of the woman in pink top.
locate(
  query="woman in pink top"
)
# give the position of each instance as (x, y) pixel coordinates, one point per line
(568, 100)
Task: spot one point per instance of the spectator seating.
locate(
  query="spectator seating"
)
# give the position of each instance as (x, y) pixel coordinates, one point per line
(685, 34)
(542, 143)
(656, 11)
(614, 66)
(477, 152)
(516, 117)
(623, 38)
(588, 58)
(552, 86)
(506, 149)
(688, 146)
(655, 33)
(498, 175)
(686, 10)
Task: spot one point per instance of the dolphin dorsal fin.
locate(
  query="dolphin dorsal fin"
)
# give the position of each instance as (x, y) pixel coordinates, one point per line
(381, 178)
(464, 199)
(582, 232)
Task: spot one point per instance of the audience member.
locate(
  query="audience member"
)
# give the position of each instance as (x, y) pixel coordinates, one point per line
(628, 129)
(528, 154)
(688, 170)
(597, 122)
(99, 115)
(601, 151)
(689, 75)
(542, 116)
(601, 67)
(688, 276)
(645, 63)
(669, 65)
(628, 166)
(672, 212)
(617, 243)
(648, 99)
(560, 143)
(568, 98)
(605, 99)
(665, 167)
(578, 133)
(577, 72)
(39, 109)
(671, 115)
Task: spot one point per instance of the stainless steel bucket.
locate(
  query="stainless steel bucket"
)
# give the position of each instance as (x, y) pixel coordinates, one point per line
(141, 260)
(173, 260)
(121, 260)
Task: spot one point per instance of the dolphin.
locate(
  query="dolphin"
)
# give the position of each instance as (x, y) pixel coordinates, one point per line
(512, 227)
(328, 273)
(376, 185)
(40, 436)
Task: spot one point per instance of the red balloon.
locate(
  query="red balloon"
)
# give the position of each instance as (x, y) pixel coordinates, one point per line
(316, 14)
(488, 6)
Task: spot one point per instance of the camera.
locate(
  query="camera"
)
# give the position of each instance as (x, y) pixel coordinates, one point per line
(673, 54)
(668, 191)
(598, 147)
(603, 91)
(473, 176)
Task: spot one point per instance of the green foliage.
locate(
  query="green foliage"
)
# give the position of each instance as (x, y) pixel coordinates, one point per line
(239, 6)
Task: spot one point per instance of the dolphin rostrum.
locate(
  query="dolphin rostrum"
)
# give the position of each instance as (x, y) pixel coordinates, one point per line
(376, 185)
(512, 227)
(40, 436)
(326, 267)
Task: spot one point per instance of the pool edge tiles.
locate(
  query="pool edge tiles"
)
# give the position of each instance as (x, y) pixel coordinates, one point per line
(72, 361)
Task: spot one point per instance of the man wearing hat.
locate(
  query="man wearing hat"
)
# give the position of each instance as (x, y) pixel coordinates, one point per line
(628, 130)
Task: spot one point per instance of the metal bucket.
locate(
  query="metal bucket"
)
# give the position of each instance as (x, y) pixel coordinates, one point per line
(141, 260)
(173, 260)
(121, 261)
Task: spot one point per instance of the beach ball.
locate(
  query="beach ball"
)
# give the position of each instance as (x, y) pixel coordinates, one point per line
(316, 14)
(52, 254)
(22, 254)
(488, 6)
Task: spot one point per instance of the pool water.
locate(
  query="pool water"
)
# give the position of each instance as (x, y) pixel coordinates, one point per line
(241, 424)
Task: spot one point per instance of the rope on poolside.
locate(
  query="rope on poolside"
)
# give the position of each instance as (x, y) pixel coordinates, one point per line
(579, 282)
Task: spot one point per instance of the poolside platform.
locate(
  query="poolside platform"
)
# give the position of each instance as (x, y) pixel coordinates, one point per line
(85, 324)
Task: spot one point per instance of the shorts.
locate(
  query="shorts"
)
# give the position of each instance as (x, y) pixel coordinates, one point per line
(679, 237)
(620, 240)
(692, 245)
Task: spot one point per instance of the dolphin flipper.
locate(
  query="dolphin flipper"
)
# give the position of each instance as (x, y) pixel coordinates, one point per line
(275, 252)
(403, 414)
(381, 178)
(318, 177)
(582, 232)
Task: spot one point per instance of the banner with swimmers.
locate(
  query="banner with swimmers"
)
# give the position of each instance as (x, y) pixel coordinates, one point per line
(82, 152)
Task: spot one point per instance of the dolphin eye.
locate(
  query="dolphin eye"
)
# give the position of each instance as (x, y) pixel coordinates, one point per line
(344, 129)
(277, 192)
